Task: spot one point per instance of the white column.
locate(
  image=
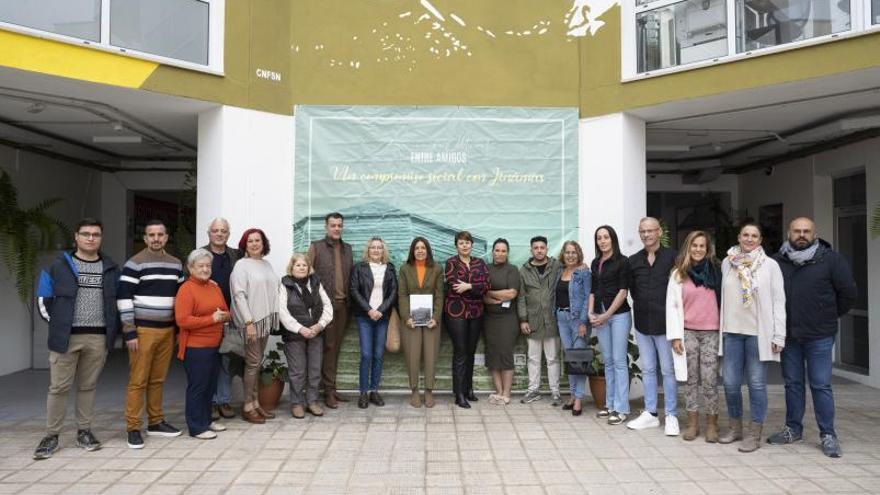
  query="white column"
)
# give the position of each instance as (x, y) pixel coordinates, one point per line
(245, 174)
(612, 178)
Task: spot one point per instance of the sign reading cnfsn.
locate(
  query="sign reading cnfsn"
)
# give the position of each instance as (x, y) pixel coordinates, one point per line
(269, 75)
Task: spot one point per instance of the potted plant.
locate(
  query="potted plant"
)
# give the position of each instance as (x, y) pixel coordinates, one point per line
(597, 379)
(273, 374)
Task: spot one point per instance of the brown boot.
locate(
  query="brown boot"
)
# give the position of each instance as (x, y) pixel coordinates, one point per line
(415, 399)
(264, 413)
(330, 399)
(252, 416)
(712, 428)
(693, 426)
(734, 432)
(752, 440)
(339, 397)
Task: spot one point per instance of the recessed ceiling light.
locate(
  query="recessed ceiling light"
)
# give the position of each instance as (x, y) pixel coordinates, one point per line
(117, 139)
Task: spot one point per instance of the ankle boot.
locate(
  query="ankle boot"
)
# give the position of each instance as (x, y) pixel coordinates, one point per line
(415, 399)
(429, 398)
(752, 440)
(734, 431)
(712, 428)
(693, 426)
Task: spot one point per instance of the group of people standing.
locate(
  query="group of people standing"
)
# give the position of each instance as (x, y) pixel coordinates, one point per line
(687, 312)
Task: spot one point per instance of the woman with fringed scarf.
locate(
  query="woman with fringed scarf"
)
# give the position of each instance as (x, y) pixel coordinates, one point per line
(752, 331)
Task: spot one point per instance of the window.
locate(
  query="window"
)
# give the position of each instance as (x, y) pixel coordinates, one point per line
(170, 28)
(681, 33)
(763, 23)
(185, 33)
(663, 35)
(75, 18)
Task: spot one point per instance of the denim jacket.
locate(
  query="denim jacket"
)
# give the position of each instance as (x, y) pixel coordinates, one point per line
(578, 293)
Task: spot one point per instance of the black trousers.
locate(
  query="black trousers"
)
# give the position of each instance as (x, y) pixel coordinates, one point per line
(465, 334)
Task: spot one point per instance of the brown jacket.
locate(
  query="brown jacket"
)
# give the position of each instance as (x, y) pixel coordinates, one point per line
(408, 283)
(320, 256)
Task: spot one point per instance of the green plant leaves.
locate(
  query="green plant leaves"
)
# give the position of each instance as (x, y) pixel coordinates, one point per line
(23, 233)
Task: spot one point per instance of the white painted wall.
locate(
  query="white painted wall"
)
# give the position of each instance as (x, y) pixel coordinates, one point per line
(38, 178)
(612, 178)
(246, 176)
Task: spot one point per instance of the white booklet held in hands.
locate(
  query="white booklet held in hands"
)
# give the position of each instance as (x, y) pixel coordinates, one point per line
(421, 309)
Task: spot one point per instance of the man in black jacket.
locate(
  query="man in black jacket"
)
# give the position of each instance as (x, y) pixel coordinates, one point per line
(819, 288)
(77, 296)
(223, 259)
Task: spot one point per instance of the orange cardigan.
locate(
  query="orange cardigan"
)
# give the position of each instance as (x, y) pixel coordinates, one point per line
(194, 309)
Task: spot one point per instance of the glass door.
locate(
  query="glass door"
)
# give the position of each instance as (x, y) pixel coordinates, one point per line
(851, 240)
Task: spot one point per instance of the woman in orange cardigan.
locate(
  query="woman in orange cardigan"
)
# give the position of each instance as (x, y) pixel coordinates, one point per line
(200, 312)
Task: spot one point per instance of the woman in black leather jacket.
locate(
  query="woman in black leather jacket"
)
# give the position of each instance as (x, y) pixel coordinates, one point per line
(373, 292)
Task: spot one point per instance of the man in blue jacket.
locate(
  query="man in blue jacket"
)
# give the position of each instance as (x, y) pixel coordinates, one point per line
(77, 297)
(819, 288)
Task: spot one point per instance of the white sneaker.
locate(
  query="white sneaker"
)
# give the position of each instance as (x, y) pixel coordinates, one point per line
(206, 435)
(671, 428)
(215, 426)
(645, 420)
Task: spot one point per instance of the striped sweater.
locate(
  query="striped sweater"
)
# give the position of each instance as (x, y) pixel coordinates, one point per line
(146, 292)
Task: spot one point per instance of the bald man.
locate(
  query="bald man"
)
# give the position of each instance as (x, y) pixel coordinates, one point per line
(819, 289)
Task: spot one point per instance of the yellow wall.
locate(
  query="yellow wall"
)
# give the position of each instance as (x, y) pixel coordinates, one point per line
(397, 52)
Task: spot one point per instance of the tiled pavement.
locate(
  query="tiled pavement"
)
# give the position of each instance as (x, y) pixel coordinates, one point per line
(514, 449)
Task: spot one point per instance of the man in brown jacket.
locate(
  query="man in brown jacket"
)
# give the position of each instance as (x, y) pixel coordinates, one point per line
(332, 260)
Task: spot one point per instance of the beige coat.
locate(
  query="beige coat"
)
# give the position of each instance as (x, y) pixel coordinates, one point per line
(770, 301)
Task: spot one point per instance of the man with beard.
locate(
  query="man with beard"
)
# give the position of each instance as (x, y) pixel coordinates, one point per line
(819, 288)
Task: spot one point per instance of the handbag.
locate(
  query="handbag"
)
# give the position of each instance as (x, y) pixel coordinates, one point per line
(392, 338)
(579, 361)
(233, 341)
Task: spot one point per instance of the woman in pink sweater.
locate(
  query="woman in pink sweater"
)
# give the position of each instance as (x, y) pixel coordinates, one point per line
(693, 298)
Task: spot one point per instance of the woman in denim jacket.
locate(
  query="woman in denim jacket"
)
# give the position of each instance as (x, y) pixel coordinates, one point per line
(572, 291)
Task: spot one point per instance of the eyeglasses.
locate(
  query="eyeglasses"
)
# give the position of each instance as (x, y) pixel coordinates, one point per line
(89, 235)
(647, 231)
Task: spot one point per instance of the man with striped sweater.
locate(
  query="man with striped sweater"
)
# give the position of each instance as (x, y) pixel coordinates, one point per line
(145, 298)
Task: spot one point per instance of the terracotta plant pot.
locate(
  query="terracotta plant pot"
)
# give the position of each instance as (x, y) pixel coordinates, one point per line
(597, 390)
(270, 394)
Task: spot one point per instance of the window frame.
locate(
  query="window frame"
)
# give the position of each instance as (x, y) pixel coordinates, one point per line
(216, 26)
(860, 25)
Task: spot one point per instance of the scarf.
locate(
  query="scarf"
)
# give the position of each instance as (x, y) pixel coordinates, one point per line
(703, 275)
(799, 257)
(746, 266)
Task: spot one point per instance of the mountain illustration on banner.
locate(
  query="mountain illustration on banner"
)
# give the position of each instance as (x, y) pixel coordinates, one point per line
(396, 227)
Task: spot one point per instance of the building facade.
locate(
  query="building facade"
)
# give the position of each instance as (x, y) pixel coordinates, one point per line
(701, 112)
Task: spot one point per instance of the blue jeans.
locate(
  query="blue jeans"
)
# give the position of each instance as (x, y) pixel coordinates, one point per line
(372, 338)
(224, 383)
(201, 375)
(816, 355)
(613, 340)
(650, 347)
(741, 356)
(568, 333)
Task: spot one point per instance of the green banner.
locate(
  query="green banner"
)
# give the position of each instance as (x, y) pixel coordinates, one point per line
(401, 172)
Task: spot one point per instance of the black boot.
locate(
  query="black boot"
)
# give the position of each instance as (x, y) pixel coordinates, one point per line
(363, 400)
(462, 402)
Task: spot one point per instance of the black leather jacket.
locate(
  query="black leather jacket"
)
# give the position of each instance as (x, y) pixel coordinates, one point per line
(361, 285)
